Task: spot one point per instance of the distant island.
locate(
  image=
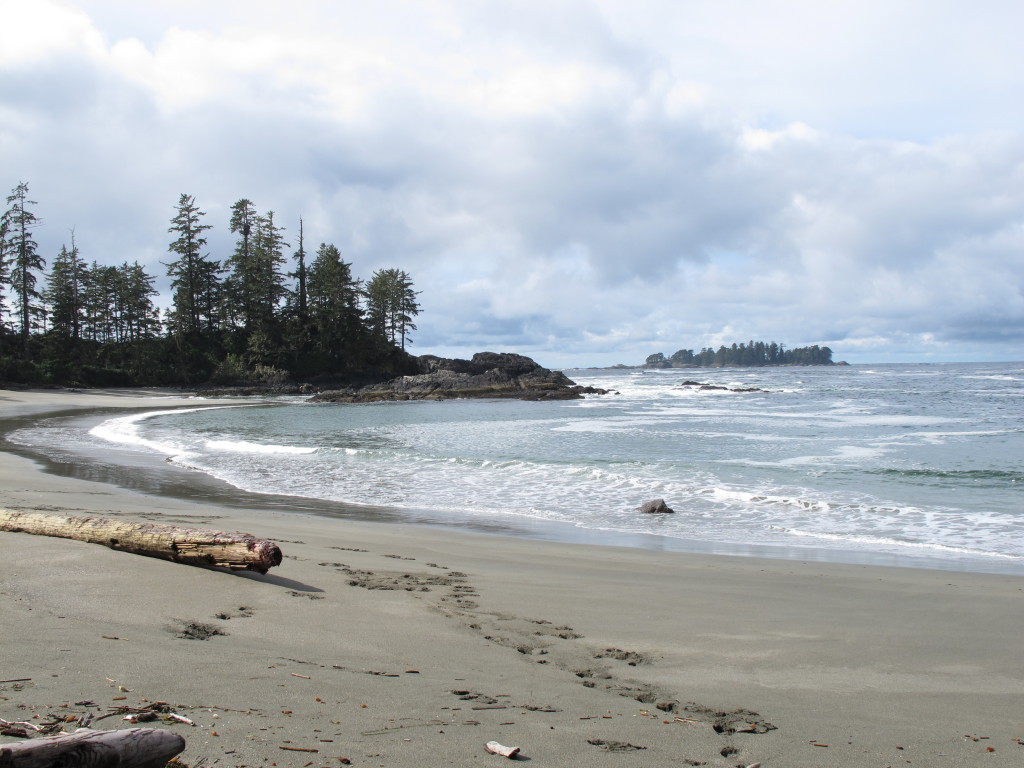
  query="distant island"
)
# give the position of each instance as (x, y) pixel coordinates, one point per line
(754, 354)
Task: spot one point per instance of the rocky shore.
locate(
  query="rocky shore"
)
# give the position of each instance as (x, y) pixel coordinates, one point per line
(487, 375)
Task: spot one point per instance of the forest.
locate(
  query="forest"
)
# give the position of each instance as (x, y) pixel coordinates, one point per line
(257, 317)
(752, 354)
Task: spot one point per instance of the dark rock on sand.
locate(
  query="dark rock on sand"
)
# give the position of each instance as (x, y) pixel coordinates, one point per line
(655, 506)
(487, 375)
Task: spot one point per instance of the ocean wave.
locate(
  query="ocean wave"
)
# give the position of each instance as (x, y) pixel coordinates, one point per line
(900, 543)
(824, 461)
(996, 477)
(125, 430)
(243, 446)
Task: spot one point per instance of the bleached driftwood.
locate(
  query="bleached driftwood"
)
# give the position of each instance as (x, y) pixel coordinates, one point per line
(500, 749)
(85, 748)
(191, 546)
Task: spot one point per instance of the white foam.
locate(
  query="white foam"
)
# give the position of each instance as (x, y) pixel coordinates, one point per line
(768, 468)
(891, 542)
(243, 446)
(126, 430)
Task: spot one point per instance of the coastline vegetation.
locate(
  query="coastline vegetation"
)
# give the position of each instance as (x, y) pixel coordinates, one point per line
(254, 318)
(752, 355)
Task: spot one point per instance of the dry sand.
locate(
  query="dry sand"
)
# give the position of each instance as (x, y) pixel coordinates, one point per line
(391, 645)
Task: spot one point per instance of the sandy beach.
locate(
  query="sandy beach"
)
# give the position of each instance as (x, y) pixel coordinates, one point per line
(381, 644)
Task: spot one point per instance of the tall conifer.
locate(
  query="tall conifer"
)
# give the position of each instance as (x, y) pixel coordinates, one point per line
(23, 260)
(194, 275)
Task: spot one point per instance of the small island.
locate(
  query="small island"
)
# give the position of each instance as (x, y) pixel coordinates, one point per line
(753, 354)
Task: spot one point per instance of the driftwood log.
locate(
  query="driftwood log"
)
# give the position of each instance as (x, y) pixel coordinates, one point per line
(85, 748)
(191, 546)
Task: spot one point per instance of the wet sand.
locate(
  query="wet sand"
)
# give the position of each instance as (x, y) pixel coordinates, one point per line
(395, 645)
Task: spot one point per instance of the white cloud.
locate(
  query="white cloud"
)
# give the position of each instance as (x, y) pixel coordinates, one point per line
(32, 33)
(588, 180)
(760, 138)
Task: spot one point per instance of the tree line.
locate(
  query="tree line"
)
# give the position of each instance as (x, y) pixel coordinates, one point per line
(258, 316)
(752, 354)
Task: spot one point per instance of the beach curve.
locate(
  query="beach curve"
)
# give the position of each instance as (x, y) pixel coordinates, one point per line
(389, 644)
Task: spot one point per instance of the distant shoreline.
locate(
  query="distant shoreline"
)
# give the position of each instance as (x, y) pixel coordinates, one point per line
(644, 367)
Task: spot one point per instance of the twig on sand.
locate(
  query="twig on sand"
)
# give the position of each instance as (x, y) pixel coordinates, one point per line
(10, 724)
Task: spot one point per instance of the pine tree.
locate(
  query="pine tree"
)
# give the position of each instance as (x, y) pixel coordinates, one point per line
(99, 289)
(241, 265)
(335, 315)
(194, 274)
(23, 261)
(392, 305)
(300, 275)
(297, 328)
(4, 272)
(64, 293)
(255, 287)
(267, 279)
(137, 317)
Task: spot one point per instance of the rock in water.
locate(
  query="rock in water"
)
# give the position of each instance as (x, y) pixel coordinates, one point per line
(487, 375)
(655, 506)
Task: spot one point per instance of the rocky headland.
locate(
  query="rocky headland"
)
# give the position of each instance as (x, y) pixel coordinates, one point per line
(487, 375)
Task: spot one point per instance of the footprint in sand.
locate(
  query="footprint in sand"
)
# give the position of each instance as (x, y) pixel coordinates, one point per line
(195, 630)
(242, 612)
(532, 637)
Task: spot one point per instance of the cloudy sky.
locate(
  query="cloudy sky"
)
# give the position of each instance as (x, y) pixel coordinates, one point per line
(582, 181)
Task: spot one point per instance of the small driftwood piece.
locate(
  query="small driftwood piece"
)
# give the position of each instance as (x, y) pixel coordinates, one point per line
(85, 748)
(190, 546)
(500, 749)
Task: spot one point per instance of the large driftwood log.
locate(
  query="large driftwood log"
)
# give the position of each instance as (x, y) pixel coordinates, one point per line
(129, 748)
(191, 546)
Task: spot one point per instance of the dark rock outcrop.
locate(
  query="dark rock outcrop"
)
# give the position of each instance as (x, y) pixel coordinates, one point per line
(487, 375)
(717, 387)
(655, 506)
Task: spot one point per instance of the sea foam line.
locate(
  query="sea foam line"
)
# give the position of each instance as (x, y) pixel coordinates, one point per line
(862, 539)
(125, 429)
(243, 446)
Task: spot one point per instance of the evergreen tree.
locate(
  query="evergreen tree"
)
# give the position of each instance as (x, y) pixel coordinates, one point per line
(267, 287)
(137, 317)
(392, 305)
(195, 276)
(99, 286)
(195, 319)
(300, 275)
(297, 333)
(64, 293)
(335, 315)
(104, 329)
(241, 265)
(23, 261)
(211, 298)
(255, 286)
(4, 272)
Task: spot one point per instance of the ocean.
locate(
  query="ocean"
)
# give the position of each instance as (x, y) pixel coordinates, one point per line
(917, 465)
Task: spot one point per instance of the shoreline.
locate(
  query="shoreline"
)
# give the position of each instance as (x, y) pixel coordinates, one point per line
(391, 644)
(149, 475)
